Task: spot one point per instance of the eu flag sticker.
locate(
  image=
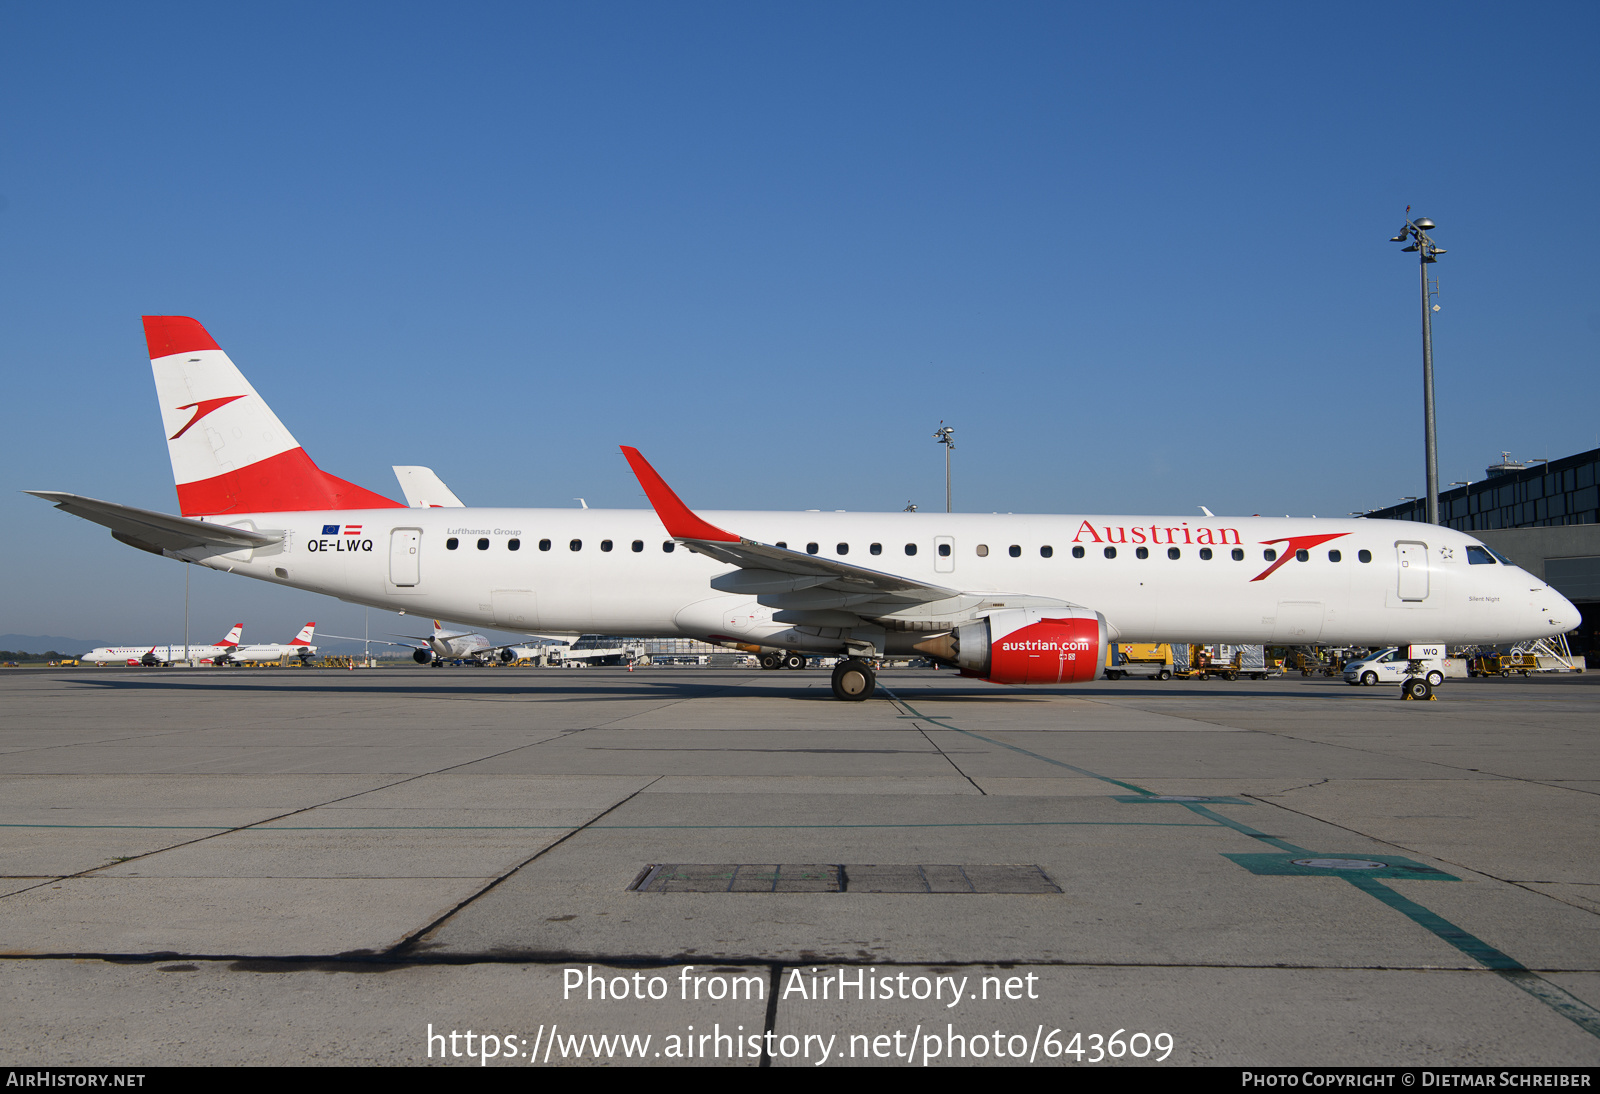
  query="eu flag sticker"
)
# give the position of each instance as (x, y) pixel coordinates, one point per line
(330, 529)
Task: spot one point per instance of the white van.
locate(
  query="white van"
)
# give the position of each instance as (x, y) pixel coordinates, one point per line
(1390, 666)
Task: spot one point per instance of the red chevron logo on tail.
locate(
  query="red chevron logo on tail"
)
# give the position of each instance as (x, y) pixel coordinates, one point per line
(201, 409)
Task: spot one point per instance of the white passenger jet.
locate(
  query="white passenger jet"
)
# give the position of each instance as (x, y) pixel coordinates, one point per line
(1013, 599)
(166, 655)
(300, 646)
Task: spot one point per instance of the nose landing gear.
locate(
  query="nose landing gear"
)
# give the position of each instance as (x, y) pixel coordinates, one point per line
(1417, 687)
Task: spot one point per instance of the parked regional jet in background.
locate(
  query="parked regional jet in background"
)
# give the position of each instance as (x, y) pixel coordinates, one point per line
(166, 655)
(1023, 599)
(443, 646)
(300, 646)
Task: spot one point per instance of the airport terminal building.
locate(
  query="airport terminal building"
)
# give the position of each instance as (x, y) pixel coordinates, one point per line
(1543, 515)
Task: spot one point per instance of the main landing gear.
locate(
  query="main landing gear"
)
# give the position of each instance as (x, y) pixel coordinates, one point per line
(788, 660)
(854, 680)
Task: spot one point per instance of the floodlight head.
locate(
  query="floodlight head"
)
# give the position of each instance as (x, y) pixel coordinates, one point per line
(1424, 223)
(1413, 247)
(1438, 251)
(1401, 238)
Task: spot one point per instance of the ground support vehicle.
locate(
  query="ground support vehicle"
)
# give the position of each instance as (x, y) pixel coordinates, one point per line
(1151, 661)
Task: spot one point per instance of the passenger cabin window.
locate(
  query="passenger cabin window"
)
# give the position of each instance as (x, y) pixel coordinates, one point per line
(1334, 556)
(1173, 552)
(575, 545)
(668, 547)
(605, 545)
(1205, 554)
(483, 545)
(1302, 556)
(638, 545)
(1111, 552)
(1077, 552)
(513, 545)
(1477, 556)
(782, 544)
(452, 543)
(1141, 552)
(843, 548)
(1270, 555)
(983, 550)
(1238, 554)
(911, 548)
(1014, 551)
(944, 550)
(876, 549)
(1364, 556)
(811, 548)
(544, 545)
(1046, 552)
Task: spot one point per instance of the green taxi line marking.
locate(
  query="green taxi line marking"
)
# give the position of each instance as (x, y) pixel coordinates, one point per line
(1558, 999)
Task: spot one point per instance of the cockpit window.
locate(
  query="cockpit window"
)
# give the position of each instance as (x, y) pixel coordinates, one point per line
(1503, 559)
(1479, 556)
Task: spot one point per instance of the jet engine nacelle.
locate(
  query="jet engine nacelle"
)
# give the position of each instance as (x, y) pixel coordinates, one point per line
(423, 657)
(1026, 646)
(518, 653)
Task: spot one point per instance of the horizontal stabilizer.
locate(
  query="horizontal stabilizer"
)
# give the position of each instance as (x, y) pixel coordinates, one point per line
(425, 490)
(156, 532)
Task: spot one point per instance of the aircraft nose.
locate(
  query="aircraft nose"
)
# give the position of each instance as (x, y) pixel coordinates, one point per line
(1564, 614)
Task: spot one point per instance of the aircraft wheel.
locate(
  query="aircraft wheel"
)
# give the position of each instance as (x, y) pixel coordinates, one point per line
(1368, 679)
(437, 664)
(1416, 688)
(1435, 679)
(854, 680)
(794, 660)
(771, 661)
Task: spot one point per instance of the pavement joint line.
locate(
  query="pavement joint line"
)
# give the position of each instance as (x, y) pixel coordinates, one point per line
(1557, 999)
(770, 1021)
(656, 961)
(214, 833)
(943, 723)
(598, 827)
(412, 938)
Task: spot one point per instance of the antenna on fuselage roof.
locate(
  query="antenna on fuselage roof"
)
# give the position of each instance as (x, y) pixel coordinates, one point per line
(1207, 512)
(581, 502)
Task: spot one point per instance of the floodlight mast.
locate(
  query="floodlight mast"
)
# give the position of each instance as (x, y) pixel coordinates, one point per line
(1427, 252)
(942, 435)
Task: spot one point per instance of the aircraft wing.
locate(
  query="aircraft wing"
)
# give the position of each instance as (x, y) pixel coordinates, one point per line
(765, 569)
(156, 532)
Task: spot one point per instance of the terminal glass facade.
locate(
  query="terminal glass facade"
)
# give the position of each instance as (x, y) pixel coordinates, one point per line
(1564, 491)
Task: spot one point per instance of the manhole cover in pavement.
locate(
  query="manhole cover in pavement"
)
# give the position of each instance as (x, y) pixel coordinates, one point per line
(742, 877)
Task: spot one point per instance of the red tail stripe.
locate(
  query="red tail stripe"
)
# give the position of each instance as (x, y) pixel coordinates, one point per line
(287, 482)
(169, 334)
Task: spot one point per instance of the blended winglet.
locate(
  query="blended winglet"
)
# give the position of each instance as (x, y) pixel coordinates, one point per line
(679, 518)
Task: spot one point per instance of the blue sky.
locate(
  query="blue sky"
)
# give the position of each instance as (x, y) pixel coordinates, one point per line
(1136, 254)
